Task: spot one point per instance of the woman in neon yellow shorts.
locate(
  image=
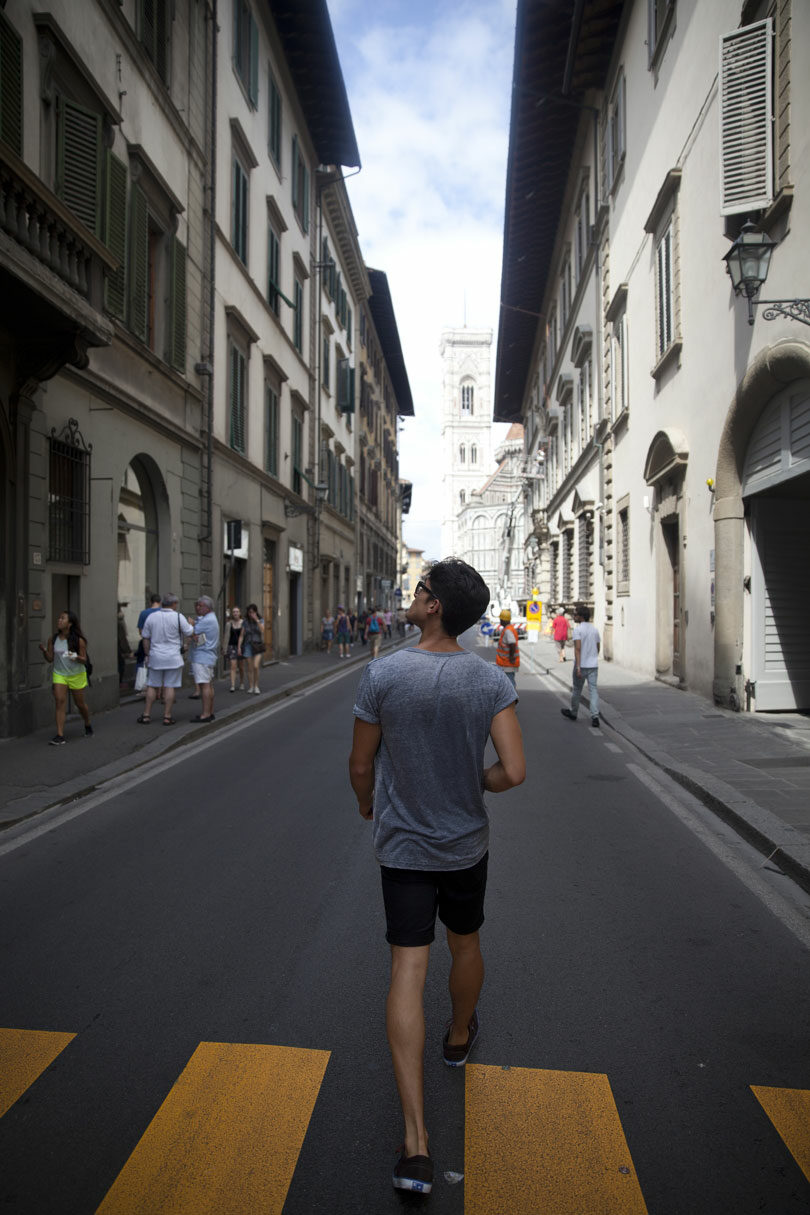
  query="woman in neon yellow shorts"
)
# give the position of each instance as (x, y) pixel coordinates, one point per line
(67, 650)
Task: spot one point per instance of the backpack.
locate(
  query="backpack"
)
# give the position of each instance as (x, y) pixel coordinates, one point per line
(373, 624)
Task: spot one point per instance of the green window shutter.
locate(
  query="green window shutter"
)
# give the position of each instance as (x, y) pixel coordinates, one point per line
(138, 263)
(272, 270)
(304, 196)
(11, 79)
(294, 173)
(253, 84)
(271, 454)
(78, 158)
(115, 223)
(274, 141)
(177, 310)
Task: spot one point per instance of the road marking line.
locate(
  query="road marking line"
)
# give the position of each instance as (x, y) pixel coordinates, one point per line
(612, 747)
(545, 1141)
(227, 1138)
(24, 1055)
(789, 1111)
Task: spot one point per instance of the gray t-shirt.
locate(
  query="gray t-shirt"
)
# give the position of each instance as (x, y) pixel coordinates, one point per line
(435, 711)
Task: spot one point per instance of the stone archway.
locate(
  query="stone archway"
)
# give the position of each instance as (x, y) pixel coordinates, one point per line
(143, 539)
(772, 370)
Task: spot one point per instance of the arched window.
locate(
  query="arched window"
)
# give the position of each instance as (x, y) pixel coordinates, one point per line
(462, 497)
(473, 454)
(467, 398)
(462, 454)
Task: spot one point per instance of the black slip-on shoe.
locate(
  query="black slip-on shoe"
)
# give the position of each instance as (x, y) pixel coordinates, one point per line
(456, 1056)
(567, 713)
(413, 1173)
(595, 722)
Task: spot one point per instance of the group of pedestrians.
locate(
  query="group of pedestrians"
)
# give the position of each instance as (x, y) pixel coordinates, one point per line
(244, 649)
(166, 635)
(369, 627)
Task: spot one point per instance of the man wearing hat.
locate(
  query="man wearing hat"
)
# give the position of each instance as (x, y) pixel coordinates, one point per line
(507, 656)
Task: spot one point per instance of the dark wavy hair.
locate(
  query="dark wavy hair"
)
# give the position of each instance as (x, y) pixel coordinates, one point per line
(461, 591)
(75, 634)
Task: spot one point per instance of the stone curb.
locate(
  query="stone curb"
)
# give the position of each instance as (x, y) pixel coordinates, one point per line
(762, 828)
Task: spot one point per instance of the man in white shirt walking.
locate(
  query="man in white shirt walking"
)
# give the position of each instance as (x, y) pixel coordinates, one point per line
(586, 664)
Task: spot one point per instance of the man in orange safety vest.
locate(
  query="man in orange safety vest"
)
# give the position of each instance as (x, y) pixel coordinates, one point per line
(507, 655)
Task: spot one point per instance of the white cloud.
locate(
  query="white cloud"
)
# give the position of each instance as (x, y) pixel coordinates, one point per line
(429, 90)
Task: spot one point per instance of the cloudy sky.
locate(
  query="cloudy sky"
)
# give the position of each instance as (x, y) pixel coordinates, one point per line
(429, 88)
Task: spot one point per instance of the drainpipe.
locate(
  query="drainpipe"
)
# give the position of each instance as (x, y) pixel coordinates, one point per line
(206, 367)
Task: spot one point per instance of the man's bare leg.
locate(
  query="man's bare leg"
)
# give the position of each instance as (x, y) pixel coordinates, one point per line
(466, 981)
(405, 1025)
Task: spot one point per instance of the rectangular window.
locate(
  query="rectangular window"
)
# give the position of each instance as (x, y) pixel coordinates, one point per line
(664, 293)
(298, 316)
(11, 83)
(271, 430)
(615, 134)
(69, 501)
(565, 292)
(660, 14)
(325, 367)
(568, 564)
(582, 231)
(746, 119)
(273, 259)
(155, 29)
(345, 386)
(239, 211)
(618, 365)
(274, 122)
(300, 185)
(78, 161)
(237, 397)
(246, 49)
(297, 452)
(623, 547)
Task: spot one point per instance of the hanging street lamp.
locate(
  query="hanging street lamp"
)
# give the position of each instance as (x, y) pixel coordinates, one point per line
(747, 263)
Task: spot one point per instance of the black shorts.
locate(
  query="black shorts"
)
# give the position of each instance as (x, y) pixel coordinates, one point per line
(413, 896)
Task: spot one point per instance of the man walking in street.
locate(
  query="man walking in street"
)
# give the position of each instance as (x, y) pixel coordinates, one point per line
(559, 631)
(204, 655)
(422, 718)
(586, 664)
(507, 655)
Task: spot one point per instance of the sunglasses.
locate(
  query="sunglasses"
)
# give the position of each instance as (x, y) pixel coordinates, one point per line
(423, 586)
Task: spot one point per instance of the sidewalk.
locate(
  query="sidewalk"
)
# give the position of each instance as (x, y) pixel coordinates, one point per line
(34, 776)
(752, 769)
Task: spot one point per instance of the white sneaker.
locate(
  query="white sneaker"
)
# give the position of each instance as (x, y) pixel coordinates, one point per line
(257, 691)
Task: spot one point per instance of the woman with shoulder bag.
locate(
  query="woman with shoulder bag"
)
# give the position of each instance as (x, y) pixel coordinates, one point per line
(67, 650)
(251, 646)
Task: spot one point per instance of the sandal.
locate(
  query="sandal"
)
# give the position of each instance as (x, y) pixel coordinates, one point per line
(204, 720)
(168, 721)
(143, 721)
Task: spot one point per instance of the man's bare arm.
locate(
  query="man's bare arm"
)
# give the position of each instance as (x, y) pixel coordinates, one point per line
(365, 744)
(507, 739)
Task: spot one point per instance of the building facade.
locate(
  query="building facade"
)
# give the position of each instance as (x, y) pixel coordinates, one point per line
(490, 525)
(181, 315)
(665, 434)
(104, 144)
(466, 428)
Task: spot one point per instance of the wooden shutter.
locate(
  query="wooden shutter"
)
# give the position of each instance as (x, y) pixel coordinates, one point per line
(116, 234)
(138, 263)
(746, 119)
(177, 308)
(78, 161)
(237, 427)
(294, 174)
(11, 79)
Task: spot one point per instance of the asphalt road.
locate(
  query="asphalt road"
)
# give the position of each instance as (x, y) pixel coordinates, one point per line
(637, 988)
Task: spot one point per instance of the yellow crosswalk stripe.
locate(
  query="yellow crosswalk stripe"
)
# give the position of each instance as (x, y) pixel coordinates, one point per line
(24, 1055)
(789, 1111)
(227, 1137)
(545, 1141)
